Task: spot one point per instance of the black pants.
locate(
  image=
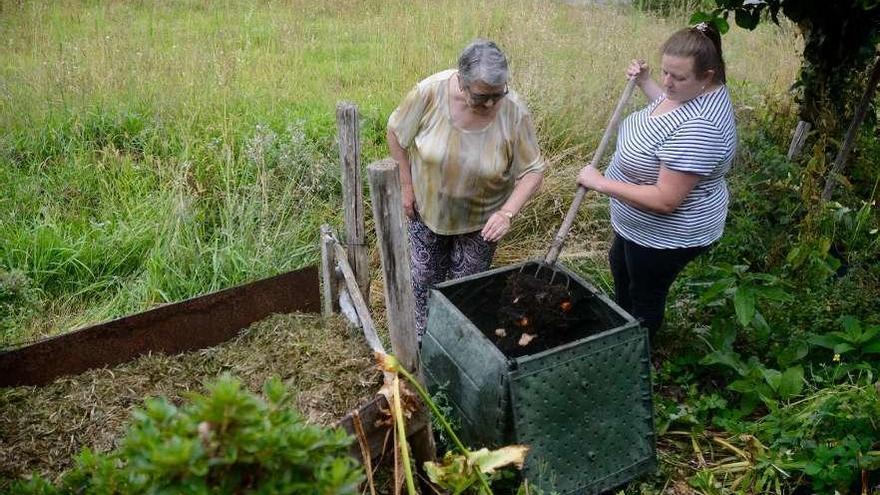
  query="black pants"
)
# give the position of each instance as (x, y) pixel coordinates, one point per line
(643, 276)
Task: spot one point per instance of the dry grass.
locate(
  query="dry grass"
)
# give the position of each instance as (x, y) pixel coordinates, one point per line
(328, 367)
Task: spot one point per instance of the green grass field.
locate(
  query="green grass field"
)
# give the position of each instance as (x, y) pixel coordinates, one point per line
(153, 151)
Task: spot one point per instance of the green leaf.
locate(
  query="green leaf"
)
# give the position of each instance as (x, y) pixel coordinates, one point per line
(743, 386)
(762, 328)
(791, 382)
(699, 17)
(744, 304)
(826, 341)
(813, 468)
(275, 391)
(714, 292)
(853, 328)
(722, 335)
(774, 294)
(720, 24)
(491, 460)
(727, 358)
(746, 19)
(869, 333)
(773, 378)
(842, 348)
(872, 348)
(792, 353)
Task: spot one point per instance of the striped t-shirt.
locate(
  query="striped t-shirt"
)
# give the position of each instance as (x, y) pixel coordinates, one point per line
(699, 137)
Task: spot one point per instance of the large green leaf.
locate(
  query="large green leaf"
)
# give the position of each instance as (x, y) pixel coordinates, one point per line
(773, 378)
(774, 293)
(872, 348)
(826, 341)
(744, 304)
(458, 472)
(727, 358)
(715, 290)
(843, 348)
(791, 383)
(792, 353)
(853, 328)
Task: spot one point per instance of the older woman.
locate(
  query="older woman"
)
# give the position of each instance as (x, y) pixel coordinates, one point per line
(666, 179)
(469, 160)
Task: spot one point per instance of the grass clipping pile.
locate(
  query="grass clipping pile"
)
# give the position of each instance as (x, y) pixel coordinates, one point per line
(327, 366)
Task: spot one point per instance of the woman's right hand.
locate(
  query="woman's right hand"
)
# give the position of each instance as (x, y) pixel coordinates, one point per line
(638, 70)
(409, 201)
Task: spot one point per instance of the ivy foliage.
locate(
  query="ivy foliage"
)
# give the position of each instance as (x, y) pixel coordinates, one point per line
(225, 441)
(839, 43)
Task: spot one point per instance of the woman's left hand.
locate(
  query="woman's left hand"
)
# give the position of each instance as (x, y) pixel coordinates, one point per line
(496, 227)
(591, 178)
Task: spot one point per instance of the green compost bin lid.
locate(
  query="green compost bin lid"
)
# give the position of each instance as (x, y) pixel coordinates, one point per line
(585, 410)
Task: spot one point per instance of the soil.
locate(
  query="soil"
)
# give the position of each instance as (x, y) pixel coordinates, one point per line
(547, 306)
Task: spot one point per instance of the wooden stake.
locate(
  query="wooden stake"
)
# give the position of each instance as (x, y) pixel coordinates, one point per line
(852, 132)
(352, 194)
(329, 283)
(399, 298)
(358, 300)
(798, 139)
(394, 251)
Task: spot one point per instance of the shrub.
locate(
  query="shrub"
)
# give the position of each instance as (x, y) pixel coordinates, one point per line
(227, 441)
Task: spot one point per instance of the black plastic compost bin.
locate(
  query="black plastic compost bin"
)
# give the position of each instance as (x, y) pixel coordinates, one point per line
(583, 406)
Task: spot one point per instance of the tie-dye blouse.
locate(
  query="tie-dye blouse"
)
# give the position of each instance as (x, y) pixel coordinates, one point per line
(461, 176)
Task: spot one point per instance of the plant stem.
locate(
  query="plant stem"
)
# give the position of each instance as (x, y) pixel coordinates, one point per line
(401, 434)
(443, 422)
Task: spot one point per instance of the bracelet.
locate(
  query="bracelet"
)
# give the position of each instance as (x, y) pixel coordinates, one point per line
(506, 213)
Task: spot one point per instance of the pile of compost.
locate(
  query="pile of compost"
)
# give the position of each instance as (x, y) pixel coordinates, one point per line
(328, 366)
(526, 312)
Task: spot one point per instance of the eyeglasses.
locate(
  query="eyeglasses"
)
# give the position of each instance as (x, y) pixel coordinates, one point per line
(481, 99)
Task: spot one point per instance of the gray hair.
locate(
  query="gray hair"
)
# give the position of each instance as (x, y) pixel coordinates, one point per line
(482, 60)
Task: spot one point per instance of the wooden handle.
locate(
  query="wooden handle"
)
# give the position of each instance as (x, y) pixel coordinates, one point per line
(559, 240)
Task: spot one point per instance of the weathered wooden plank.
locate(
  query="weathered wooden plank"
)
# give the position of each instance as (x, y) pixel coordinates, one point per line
(375, 420)
(329, 283)
(798, 139)
(399, 299)
(394, 252)
(357, 299)
(352, 194)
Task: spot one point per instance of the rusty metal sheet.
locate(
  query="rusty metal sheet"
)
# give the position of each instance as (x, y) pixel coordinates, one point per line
(188, 325)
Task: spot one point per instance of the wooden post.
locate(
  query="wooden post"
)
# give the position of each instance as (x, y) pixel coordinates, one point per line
(394, 251)
(852, 131)
(798, 139)
(352, 194)
(399, 298)
(329, 284)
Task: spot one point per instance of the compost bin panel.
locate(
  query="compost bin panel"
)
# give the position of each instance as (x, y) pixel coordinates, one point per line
(472, 372)
(585, 410)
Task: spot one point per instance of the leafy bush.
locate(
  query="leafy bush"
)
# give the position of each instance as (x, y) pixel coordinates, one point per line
(785, 359)
(228, 441)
